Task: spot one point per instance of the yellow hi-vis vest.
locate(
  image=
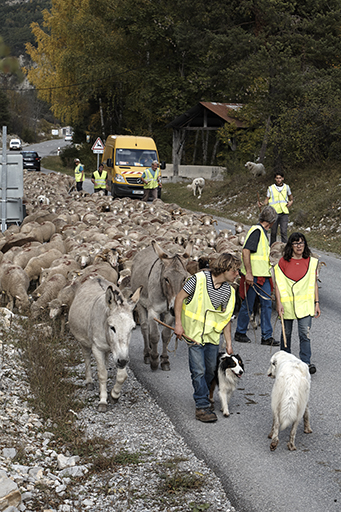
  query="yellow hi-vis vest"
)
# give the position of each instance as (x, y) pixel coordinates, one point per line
(260, 260)
(200, 320)
(78, 173)
(278, 200)
(297, 297)
(100, 180)
(152, 180)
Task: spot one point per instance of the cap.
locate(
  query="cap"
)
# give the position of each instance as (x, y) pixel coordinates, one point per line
(76, 160)
(155, 162)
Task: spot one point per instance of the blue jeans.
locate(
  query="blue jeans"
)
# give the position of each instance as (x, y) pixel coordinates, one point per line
(202, 364)
(266, 309)
(304, 326)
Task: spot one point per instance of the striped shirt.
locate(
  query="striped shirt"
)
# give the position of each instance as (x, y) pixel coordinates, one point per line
(218, 296)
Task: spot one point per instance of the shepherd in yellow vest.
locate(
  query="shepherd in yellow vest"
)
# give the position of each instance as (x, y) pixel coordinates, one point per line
(151, 181)
(203, 310)
(79, 174)
(297, 295)
(256, 278)
(99, 179)
(279, 196)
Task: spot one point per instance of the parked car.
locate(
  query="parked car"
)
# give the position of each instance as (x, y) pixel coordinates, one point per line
(68, 138)
(31, 160)
(15, 145)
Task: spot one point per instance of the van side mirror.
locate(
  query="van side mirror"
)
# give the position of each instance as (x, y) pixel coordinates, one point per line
(163, 165)
(109, 163)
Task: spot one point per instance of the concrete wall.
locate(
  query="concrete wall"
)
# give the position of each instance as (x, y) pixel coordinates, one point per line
(194, 171)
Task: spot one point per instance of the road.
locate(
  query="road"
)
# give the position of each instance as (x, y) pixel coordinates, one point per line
(237, 448)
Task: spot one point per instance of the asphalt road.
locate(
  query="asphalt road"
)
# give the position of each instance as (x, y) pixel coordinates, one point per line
(237, 448)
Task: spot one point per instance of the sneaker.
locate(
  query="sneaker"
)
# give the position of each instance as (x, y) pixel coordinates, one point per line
(242, 338)
(312, 368)
(270, 341)
(205, 415)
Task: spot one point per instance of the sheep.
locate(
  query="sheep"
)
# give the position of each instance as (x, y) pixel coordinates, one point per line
(59, 307)
(197, 185)
(64, 267)
(50, 292)
(255, 169)
(14, 284)
(36, 264)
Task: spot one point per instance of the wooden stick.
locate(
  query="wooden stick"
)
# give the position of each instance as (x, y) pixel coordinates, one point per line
(283, 331)
(260, 208)
(172, 328)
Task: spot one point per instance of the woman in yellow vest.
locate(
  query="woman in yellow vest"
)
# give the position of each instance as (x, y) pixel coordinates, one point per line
(203, 310)
(151, 179)
(297, 295)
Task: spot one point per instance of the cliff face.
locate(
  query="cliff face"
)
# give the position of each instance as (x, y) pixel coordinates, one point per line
(16, 17)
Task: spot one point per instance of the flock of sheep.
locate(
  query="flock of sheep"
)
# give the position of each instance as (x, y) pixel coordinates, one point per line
(66, 239)
(78, 236)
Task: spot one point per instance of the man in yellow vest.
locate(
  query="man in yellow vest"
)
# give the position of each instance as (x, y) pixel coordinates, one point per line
(79, 174)
(99, 179)
(203, 310)
(256, 278)
(151, 181)
(279, 196)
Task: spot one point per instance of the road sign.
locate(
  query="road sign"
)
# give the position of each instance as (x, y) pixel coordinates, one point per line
(98, 147)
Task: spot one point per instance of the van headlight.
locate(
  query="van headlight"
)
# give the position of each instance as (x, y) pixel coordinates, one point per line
(119, 178)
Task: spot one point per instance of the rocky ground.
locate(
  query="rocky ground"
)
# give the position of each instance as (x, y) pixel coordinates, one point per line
(155, 470)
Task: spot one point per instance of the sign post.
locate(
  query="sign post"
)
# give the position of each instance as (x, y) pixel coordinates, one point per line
(98, 148)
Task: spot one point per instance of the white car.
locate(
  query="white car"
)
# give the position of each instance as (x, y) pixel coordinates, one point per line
(15, 145)
(68, 138)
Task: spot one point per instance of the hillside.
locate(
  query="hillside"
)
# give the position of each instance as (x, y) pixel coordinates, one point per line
(317, 201)
(15, 20)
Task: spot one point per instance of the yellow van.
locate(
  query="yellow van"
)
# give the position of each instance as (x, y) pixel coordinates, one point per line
(125, 157)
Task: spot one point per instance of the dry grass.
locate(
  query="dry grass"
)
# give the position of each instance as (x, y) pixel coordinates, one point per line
(317, 200)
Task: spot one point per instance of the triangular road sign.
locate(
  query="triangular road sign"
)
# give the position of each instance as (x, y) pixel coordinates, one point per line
(98, 145)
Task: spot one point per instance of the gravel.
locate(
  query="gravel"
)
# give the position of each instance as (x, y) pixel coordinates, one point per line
(163, 473)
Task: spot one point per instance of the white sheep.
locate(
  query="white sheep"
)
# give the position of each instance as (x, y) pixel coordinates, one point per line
(197, 185)
(255, 169)
(50, 291)
(14, 284)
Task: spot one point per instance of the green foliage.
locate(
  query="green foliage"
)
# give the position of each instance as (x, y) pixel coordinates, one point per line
(4, 111)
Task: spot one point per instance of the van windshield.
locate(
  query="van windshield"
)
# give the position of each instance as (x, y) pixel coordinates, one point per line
(135, 157)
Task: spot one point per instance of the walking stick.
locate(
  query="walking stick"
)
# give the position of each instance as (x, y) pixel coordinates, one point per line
(260, 208)
(186, 338)
(283, 331)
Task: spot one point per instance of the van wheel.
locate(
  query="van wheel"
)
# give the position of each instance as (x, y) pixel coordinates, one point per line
(113, 190)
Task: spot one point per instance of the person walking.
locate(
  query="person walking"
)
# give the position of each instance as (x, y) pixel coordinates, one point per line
(152, 180)
(279, 196)
(99, 178)
(297, 295)
(256, 277)
(203, 310)
(79, 174)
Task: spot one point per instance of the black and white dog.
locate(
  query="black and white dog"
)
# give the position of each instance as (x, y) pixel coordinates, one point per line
(229, 370)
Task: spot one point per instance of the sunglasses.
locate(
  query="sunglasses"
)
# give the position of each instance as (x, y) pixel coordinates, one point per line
(295, 244)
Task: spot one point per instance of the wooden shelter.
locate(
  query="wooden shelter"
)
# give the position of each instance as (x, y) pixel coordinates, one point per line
(204, 117)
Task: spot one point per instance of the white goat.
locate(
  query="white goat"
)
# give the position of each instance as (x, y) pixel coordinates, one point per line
(255, 169)
(197, 185)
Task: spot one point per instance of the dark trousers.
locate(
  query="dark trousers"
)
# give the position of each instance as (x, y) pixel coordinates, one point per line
(148, 192)
(79, 186)
(282, 222)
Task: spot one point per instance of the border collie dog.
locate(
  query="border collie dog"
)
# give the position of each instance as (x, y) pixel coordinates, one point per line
(229, 370)
(290, 395)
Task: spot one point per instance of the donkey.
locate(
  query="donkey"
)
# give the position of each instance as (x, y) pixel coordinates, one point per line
(162, 276)
(101, 319)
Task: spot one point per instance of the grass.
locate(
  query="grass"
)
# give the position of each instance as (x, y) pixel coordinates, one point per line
(316, 189)
(317, 201)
